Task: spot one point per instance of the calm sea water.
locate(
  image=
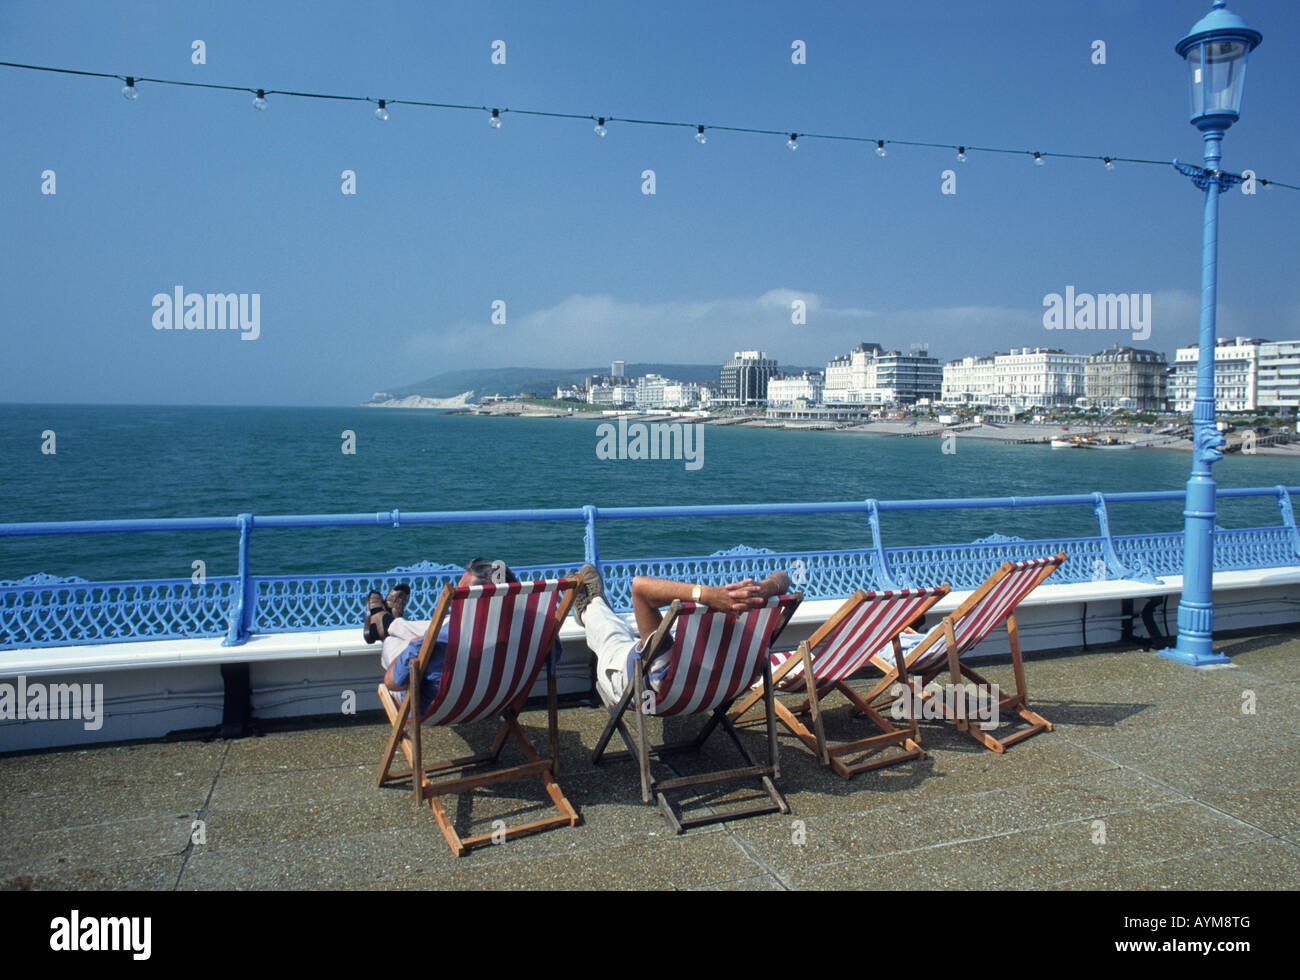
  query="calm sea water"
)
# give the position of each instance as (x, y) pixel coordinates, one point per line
(121, 462)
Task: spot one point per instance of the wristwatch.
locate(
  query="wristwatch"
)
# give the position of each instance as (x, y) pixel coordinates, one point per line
(696, 593)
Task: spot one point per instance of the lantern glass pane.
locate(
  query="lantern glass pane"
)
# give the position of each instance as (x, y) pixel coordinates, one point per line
(1217, 71)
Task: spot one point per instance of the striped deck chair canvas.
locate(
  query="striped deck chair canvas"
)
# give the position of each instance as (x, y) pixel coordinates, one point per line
(713, 659)
(498, 638)
(960, 632)
(865, 626)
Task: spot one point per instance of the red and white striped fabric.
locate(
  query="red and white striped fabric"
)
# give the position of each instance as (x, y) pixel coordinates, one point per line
(862, 634)
(982, 618)
(715, 657)
(498, 637)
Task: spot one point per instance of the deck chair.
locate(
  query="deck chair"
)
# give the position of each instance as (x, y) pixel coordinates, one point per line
(863, 627)
(942, 648)
(499, 638)
(713, 658)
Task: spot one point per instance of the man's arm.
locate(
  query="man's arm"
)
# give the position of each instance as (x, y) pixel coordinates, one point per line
(650, 594)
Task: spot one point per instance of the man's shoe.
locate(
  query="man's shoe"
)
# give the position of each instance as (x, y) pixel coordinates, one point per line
(590, 586)
(369, 626)
(397, 598)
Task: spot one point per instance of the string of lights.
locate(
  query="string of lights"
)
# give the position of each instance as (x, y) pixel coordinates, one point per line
(130, 91)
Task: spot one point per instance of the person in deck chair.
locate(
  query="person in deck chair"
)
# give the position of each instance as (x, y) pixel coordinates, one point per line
(616, 645)
(402, 639)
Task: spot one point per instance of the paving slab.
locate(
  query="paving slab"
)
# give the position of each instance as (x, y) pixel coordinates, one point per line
(1191, 791)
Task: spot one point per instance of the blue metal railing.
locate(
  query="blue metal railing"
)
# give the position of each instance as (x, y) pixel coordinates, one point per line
(43, 610)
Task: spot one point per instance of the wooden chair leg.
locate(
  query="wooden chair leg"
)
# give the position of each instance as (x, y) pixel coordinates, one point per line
(814, 708)
(643, 743)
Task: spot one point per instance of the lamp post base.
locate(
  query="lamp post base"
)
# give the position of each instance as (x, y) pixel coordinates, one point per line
(1194, 658)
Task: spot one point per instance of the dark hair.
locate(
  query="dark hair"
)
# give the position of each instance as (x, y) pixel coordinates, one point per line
(490, 572)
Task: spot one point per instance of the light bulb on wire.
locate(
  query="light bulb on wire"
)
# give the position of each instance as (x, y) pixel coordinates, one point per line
(600, 127)
(259, 103)
(1110, 164)
(1038, 159)
(382, 112)
(495, 121)
(699, 135)
(793, 141)
(961, 154)
(128, 90)
(880, 148)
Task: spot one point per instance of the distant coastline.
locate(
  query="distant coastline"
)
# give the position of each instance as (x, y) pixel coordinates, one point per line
(1010, 433)
(382, 399)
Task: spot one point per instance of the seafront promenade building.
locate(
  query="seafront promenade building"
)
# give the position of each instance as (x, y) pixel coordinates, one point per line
(869, 375)
(969, 381)
(612, 396)
(1279, 375)
(650, 392)
(1126, 377)
(804, 388)
(1038, 377)
(1236, 375)
(744, 379)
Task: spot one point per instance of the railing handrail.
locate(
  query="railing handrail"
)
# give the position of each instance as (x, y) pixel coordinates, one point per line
(396, 518)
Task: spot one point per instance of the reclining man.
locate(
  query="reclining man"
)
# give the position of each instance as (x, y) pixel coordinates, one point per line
(402, 639)
(616, 645)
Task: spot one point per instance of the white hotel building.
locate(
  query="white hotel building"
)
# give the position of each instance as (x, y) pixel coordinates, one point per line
(1249, 374)
(784, 392)
(969, 381)
(1038, 377)
(1235, 375)
(1279, 374)
(1025, 377)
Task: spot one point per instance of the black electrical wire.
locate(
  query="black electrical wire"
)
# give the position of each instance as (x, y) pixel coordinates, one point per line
(1038, 155)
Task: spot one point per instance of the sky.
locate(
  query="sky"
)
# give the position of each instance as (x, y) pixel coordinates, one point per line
(547, 223)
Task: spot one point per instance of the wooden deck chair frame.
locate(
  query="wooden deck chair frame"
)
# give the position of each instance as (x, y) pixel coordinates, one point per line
(640, 749)
(406, 736)
(1017, 702)
(874, 749)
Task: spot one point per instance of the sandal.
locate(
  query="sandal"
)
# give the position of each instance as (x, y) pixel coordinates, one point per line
(377, 618)
(397, 598)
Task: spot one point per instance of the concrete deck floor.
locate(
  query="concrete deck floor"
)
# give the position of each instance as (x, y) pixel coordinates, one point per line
(1190, 790)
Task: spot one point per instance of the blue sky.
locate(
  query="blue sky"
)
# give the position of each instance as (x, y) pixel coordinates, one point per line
(359, 293)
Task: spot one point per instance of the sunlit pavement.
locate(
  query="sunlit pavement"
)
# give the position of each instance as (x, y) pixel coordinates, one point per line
(1157, 776)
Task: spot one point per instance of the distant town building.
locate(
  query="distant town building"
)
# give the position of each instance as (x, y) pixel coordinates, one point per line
(789, 389)
(612, 396)
(912, 377)
(685, 394)
(571, 393)
(618, 369)
(1279, 374)
(969, 381)
(1126, 377)
(868, 375)
(1236, 375)
(743, 380)
(650, 391)
(1038, 377)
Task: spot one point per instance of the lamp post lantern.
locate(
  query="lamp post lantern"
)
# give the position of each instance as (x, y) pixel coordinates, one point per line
(1215, 50)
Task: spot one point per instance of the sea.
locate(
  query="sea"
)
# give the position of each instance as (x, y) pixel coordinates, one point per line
(82, 462)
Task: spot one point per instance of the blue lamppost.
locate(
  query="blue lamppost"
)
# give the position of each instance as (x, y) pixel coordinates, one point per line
(1215, 50)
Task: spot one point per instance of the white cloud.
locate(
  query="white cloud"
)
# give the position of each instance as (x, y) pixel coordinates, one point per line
(585, 329)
